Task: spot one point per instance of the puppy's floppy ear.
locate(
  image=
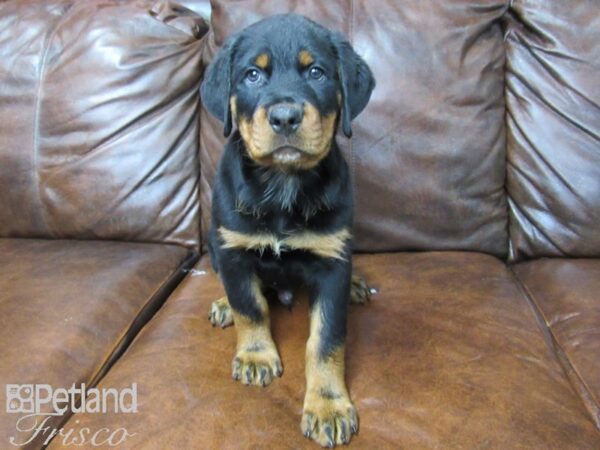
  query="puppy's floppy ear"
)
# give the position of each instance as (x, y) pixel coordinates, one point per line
(216, 87)
(356, 81)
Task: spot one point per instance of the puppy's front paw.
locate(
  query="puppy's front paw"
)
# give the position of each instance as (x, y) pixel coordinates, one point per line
(257, 364)
(220, 313)
(329, 418)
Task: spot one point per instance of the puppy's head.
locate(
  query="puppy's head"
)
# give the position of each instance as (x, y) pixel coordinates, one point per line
(287, 82)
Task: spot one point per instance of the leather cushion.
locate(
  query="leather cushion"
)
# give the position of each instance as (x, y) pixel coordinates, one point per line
(69, 308)
(99, 120)
(566, 293)
(447, 355)
(553, 128)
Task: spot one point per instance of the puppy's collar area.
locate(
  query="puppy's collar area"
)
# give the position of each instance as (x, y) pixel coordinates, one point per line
(280, 188)
(273, 190)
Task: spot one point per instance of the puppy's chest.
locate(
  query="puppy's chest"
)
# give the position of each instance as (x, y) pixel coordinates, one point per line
(323, 244)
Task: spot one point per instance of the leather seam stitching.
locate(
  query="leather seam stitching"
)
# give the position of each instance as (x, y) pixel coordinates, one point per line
(186, 262)
(559, 349)
(103, 368)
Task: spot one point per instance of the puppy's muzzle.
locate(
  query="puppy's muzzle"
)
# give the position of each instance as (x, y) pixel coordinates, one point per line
(285, 118)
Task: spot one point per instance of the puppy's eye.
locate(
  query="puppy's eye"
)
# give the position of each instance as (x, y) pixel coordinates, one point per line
(316, 73)
(253, 76)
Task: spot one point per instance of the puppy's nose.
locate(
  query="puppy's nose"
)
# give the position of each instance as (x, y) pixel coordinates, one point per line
(285, 118)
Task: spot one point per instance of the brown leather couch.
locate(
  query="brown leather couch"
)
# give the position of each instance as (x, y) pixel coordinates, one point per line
(476, 172)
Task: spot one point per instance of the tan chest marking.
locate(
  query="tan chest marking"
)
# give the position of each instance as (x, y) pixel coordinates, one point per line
(324, 245)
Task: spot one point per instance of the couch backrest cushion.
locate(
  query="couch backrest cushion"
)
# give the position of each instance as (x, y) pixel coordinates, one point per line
(428, 153)
(98, 120)
(553, 120)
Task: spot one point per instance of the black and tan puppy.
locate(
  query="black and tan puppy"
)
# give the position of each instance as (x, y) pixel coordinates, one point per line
(282, 203)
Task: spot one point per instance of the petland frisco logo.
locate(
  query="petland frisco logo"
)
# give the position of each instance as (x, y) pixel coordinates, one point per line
(39, 402)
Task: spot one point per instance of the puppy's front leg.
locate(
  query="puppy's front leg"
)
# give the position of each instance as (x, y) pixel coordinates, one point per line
(329, 417)
(256, 361)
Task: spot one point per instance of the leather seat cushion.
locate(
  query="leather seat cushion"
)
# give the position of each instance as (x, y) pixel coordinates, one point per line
(566, 293)
(448, 354)
(69, 308)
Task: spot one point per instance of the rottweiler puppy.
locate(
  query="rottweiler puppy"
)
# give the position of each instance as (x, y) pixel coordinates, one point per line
(282, 206)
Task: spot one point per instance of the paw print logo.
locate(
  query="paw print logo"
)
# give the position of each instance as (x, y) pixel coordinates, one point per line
(20, 398)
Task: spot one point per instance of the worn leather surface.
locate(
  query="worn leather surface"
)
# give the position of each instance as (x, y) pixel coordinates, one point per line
(98, 120)
(68, 309)
(428, 153)
(553, 125)
(566, 292)
(447, 355)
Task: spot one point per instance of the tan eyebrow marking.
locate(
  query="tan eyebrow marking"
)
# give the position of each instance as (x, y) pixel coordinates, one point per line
(305, 58)
(262, 61)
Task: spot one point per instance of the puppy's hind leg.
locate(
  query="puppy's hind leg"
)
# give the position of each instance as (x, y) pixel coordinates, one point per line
(360, 292)
(220, 313)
